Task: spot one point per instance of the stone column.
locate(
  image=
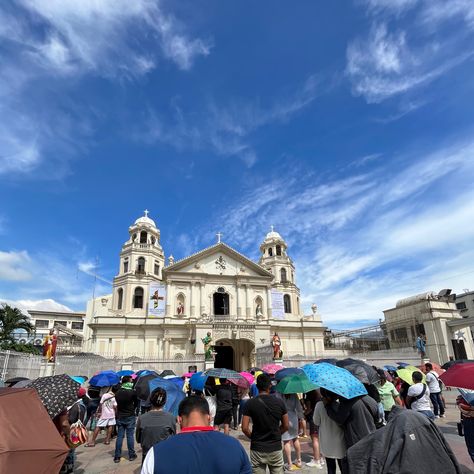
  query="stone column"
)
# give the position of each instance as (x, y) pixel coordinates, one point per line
(269, 302)
(202, 301)
(191, 300)
(247, 301)
(168, 298)
(166, 349)
(237, 300)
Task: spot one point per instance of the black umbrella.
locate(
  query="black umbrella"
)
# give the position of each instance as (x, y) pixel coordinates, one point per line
(166, 373)
(142, 386)
(444, 366)
(57, 392)
(252, 370)
(364, 372)
(328, 361)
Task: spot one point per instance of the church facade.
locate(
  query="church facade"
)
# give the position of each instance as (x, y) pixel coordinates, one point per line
(160, 310)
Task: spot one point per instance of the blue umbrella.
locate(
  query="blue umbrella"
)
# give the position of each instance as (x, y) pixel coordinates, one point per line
(178, 381)
(467, 394)
(146, 372)
(402, 364)
(197, 381)
(174, 395)
(107, 378)
(329, 361)
(335, 379)
(121, 373)
(390, 368)
(282, 373)
(78, 379)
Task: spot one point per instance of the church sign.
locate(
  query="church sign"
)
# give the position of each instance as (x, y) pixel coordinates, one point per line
(278, 306)
(157, 303)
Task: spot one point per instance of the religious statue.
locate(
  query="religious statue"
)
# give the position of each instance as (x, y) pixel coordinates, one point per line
(49, 346)
(258, 311)
(180, 308)
(207, 347)
(421, 345)
(276, 344)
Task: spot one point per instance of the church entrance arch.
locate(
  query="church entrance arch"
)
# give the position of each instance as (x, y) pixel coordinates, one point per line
(234, 354)
(221, 302)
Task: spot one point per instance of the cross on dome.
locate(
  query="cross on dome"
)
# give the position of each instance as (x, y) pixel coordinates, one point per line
(146, 211)
(219, 235)
(272, 228)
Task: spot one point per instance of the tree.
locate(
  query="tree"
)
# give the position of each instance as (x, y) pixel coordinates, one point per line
(12, 319)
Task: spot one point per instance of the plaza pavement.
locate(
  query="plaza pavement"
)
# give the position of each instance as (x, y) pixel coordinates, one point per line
(99, 460)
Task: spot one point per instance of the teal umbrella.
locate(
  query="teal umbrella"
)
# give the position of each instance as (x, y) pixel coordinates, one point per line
(298, 383)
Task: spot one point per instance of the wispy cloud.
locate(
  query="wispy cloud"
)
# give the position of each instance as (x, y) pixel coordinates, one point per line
(361, 242)
(12, 266)
(227, 129)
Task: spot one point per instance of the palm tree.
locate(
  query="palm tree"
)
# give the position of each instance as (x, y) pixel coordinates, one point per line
(12, 319)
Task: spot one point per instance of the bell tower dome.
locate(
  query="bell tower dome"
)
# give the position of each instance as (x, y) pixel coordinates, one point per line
(275, 259)
(141, 262)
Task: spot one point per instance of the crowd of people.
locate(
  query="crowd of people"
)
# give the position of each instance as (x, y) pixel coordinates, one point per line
(349, 433)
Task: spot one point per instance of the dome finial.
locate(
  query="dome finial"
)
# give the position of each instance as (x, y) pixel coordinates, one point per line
(146, 211)
(272, 227)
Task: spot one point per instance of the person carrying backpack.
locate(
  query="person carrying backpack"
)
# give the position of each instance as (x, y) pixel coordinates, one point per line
(106, 417)
(434, 384)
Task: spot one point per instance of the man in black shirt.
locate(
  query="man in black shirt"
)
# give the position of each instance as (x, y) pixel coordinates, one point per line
(269, 421)
(224, 406)
(127, 403)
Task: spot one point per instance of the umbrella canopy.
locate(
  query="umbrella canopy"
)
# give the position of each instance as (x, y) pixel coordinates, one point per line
(146, 372)
(459, 376)
(402, 364)
(121, 373)
(296, 383)
(167, 372)
(468, 395)
(188, 375)
(178, 381)
(57, 392)
(252, 370)
(272, 368)
(329, 361)
(334, 378)
(31, 444)
(249, 377)
(197, 381)
(452, 362)
(358, 368)
(78, 379)
(282, 373)
(390, 368)
(142, 387)
(107, 378)
(16, 380)
(21, 384)
(406, 374)
(230, 375)
(174, 395)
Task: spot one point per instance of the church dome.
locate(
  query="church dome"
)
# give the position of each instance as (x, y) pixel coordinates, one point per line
(273, 235)
(145, 220)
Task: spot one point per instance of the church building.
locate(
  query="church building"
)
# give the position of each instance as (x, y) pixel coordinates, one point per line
(163, 311)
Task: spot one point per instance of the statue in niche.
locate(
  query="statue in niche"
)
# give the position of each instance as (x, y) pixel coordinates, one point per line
(258, 311)
(276, 344)
(180, 308)
(207, 346)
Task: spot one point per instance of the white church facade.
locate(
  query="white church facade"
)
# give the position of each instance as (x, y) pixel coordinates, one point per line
(163, 311)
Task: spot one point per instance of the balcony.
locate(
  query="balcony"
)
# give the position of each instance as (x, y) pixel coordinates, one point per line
(140, 272)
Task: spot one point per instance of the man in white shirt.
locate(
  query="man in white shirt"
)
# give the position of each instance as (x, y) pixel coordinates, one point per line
(419, 396)
(435, 391)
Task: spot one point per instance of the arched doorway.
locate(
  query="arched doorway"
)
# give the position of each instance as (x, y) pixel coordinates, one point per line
(234, 354)
(221, 303)
(224, 357)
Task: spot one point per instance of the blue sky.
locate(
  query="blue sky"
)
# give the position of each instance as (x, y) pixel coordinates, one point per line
(348, 126)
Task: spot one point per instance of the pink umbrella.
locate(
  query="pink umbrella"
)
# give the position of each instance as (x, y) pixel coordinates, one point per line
(272, 369)
(249, 377)
(134, 376)
(188, 375)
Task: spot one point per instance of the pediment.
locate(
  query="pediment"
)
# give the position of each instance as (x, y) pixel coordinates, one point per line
(220, 259)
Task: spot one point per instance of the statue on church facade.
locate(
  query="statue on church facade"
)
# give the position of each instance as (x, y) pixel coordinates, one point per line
(207, 346)
(49, 346)
(276, 344)
(258, 311)
(180, 308)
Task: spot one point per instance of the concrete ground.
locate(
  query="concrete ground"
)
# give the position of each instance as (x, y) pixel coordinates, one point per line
(99, 459)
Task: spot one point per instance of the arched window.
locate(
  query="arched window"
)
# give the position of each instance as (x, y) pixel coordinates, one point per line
(141, 265)
(278, 249)
(283, 275)
(270, 252)
(138, 297)
(119, 298)
(143, 237)
(287, 303)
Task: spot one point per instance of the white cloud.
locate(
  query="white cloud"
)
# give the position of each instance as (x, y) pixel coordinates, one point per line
(14, 266)
(47, 304)
(439, 11)
(396, 6)
(227, 129)
(362, 242)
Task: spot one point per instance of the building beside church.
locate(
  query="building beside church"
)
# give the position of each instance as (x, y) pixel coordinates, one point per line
(163, 311)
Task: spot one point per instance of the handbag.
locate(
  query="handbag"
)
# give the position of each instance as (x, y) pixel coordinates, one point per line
(77, 435)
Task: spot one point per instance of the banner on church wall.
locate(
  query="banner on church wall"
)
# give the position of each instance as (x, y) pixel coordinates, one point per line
(278, 306)
(157, 301)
